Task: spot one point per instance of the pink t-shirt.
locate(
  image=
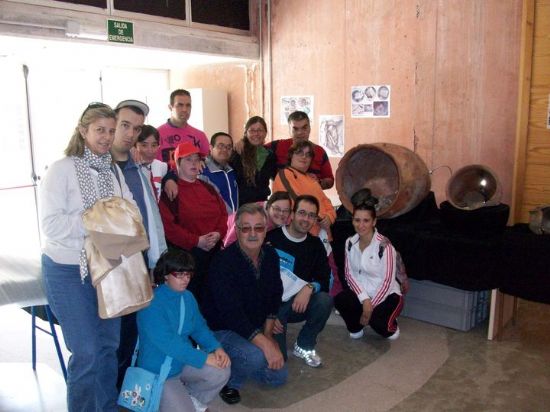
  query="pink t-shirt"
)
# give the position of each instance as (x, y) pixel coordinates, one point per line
(171, 136)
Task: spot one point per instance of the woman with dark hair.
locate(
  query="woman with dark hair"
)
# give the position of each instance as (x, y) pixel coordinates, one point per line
(254, 164)
(197, 373)
(374, 297)
(295, 180)
(71, 186)
(277, 208)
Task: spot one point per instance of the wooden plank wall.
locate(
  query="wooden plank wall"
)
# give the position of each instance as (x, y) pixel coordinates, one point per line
(452, 64)
(536, 175)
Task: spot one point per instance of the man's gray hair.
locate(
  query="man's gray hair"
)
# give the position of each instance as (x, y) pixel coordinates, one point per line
(251, 209)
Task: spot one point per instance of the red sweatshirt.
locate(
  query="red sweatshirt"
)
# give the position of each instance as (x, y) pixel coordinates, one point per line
(200, 210)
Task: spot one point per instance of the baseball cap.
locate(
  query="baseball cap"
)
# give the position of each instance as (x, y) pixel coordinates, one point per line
(136, 103)
(185, 149)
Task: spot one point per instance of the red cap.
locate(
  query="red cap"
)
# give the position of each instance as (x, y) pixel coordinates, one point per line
(185, 149)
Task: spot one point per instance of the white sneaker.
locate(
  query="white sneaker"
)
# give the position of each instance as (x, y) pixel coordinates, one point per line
(395, 335)
(357, 335)
(309, 356)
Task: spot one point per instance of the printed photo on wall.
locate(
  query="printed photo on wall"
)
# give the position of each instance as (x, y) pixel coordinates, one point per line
(291, 104)
(371, 100)
(331, 134)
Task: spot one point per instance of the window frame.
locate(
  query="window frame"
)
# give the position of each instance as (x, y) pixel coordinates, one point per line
(113, 13)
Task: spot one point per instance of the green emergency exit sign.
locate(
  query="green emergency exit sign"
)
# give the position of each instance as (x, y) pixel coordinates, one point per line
(120, 31)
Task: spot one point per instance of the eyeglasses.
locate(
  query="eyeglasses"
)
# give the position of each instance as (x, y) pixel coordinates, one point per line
(93, 105)
(281, 211)
(301, 153)
(221, 146)
(182, 275)
(247, 229)
(309, 215)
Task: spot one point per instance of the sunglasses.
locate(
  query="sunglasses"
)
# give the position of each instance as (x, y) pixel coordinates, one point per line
(247, 229)
(93, 105)
(182, 275)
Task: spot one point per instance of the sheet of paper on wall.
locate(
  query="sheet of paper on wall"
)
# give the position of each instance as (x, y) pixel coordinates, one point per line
(291, 104)
(548, 114)
(331, 134)
(371, 101)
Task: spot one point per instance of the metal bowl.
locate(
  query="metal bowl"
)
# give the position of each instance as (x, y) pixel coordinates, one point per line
(473, 187)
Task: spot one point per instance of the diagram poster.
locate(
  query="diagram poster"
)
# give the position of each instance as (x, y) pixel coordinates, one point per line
(331, 134)
(291, 104)
(371, 101)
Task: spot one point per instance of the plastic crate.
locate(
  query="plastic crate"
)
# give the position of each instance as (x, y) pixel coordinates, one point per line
(445, 306)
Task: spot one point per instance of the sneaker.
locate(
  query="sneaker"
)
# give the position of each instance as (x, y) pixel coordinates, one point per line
(395, 335)
(309, 356)
(357, 335)
(230, 395)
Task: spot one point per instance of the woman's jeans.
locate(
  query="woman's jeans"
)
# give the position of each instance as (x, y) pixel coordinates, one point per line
(92, 341)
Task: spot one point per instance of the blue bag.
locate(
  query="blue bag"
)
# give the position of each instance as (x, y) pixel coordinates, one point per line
(141, 389)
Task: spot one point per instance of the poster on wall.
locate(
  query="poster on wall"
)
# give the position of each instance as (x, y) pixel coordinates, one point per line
(371, 101)
(291, 104)
(331, 134)
(548, 114)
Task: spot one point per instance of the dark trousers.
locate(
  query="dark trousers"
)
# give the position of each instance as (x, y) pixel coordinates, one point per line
(128, 339)
(315, 317)
(202, 264)
(383, 318)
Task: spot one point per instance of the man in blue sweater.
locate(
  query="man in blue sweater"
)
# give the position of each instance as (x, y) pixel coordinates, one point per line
(218, 172)
(242, 298)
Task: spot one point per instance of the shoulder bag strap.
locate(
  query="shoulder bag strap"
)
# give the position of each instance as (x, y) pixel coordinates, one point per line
(286, 184)
(167, 365)
(114, 168)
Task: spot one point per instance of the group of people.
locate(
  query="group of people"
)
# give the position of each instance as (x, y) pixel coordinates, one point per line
(231, 263)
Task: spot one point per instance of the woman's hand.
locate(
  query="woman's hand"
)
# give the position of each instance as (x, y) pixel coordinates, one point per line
(208, 241)
(325, 223)
(215, 236)
(238, 146)
(212, 361)
(222, 358)
(171, 189)
(367, 312)
(205, 242)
